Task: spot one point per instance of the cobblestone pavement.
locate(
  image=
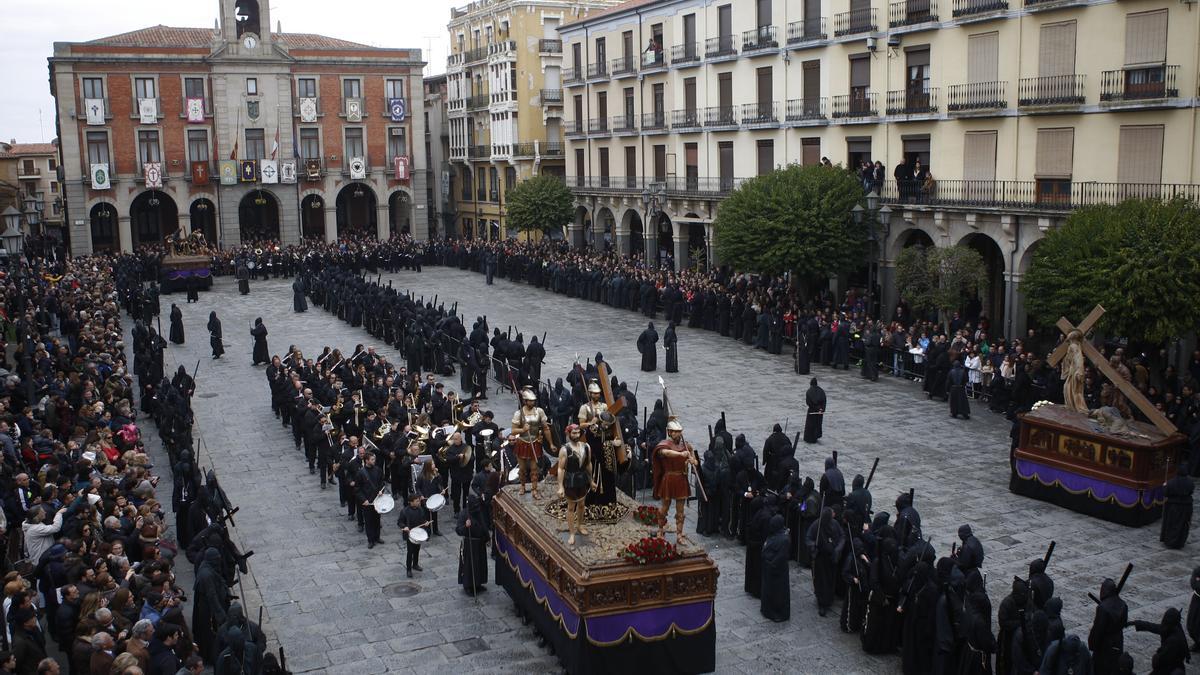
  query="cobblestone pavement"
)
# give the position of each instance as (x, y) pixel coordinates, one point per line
(336, 607)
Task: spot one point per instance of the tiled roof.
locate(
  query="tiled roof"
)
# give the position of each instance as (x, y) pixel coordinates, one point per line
(623, 7)
(33, 149)
(172, 36)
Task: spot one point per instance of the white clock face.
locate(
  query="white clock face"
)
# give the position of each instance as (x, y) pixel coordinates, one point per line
(249, 42)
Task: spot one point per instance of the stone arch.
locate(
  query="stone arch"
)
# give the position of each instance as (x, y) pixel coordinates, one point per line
(102, 220)
(910, 236)
(400, 211)
(203, 213)
(258, 216)
(634, 230)
(312, 215)
(1027, 256)
(152, 216)
(247, 15)
(356, 212)
(602, 228)
(664, 239)
(987, 301)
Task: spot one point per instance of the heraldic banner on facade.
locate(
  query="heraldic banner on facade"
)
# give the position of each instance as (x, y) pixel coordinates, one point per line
(199, 173)
(308, 110)
(358, 168)
(153, 173)
(147, 110)
(100, 177)
(397, 109)
(269, 170)
(248, 173)
(195, 110)
(353, 110)
(401, 163)
(94, 108)
(229, 172)
(287, 171)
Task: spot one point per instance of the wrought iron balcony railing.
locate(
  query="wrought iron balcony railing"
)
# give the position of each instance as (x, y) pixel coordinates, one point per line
(912, 102)
(1139, 84)
(855, 21)
(1051, 90)
(976, 96)
(808, 30)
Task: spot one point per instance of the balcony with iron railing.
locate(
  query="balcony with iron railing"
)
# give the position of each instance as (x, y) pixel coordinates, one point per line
(760, 114)
(503, 47)
(721, 116)
(855, 21)
(1033, 195)
(624, 124)
(911, 12)
(686, 120)
(914, 101)
(976, 96)
(525, 149)
(549, 46)
(806, 110)
(761, 38)
(654, 121)
(607, 184)
(653, 60)
(685, 55)
(479, 151)
(1051, 90)
(573, 128)
(806, 31)
(572, 76)
(476, 54)
(1139, 85)
(28, 172)
(478, 102)
(967, 8)
(855, 105)
(598, 126)
(720, 47)
(624, 66)
(453, 105)
(552, 97)
(701, 185)
(1040, 5)
(551, 149)
(597, 71)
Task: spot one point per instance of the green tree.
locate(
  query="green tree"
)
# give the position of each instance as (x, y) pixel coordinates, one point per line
(941, 279)
(541, 203)
(1139, 259)
(795, 219)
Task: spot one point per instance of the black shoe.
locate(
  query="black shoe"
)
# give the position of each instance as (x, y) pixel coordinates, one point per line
(350, 516)
(409, 572)
(418, 568)
(822, 611)
(323, 486)
(371, 544)
(360, 527)
(312, 470)
(332, 481)
(378, 541)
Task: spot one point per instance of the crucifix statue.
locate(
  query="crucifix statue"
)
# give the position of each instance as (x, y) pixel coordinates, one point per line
(1075, 349)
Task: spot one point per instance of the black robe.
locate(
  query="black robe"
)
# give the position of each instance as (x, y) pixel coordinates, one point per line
(870, 363)
(916, 651)
(671, 345)
(1193, 615)
(776, 598)
(815, 399)
(299, 303)
(261, 353)
(215, 335)
(176, 330)
(647, 346)
(957, 390)
(755, 534)
(210, 601)
(802, 354)
(472, 556)
(826, 542)
(1177, 511)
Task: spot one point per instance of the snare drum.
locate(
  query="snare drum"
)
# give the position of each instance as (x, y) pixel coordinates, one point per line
(384, 504)
(435, 503)
(527, 450)
(418, 535)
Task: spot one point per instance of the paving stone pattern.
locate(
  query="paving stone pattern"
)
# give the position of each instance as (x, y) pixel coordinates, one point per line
(327, 597)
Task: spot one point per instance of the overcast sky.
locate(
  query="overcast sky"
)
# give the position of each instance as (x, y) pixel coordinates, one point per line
(34, 25)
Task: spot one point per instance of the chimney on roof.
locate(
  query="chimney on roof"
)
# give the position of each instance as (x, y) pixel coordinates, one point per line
(216, 24)
(278, 26)
(12, 141)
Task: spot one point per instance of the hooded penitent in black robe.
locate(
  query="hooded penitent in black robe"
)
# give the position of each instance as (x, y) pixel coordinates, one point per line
(215, 335)
(1177, 511)
(1172, 650)
(1010, 617)
(920, 604)
(815, 399)
(802, 353)
(870, 363)
(826, 542)
(671, 345)
(841, 346)
(956, 383)
(261, 354)
(880, 623)
(776, 599)
(1107, 637)
(210, 601)
(647, 346)
(299, 303)
(1193, 615)
(472, 556)
(176, 330)
(772, 453)
(978, 642)
(760, 517)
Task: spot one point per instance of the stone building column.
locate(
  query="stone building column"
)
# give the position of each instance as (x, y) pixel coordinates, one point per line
(124, 233)
(331, 233)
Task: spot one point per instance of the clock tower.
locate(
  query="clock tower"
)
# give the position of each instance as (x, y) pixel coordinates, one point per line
(246, 26)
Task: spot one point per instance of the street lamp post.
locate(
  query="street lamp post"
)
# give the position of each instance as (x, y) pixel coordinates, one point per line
(652, 201)
(876, 219)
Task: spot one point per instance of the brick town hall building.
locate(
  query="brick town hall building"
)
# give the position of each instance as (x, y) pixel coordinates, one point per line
(244, 133)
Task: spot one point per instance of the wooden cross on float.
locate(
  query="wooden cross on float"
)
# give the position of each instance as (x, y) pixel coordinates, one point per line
(1092, 354)
(614, 406)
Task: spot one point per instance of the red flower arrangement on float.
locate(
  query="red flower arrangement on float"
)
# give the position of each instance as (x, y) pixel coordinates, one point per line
(649, 551)
(647, 515)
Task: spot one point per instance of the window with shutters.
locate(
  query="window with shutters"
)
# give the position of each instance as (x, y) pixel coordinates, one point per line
(979, 165)
(397, 143)
(1055, 157)
(725, 96)
(810, 151)
(604, 167)
(197, 145)
(580, 168)
(1056, 49)
(310, 143)
(1139, 159)
(354, 144)
(493, 184)
(858, 150)
(306, 87)
(860, 83)
(1145, 54)
(660, 163)
(148, 150)
(97, 148)
(631, 170)
(766, 156)
(725, 164)
(467, 182)
(691, 165)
